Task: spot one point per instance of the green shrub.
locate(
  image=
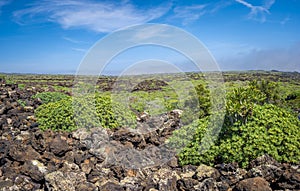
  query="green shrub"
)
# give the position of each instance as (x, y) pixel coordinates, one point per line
(187, 140)
(197, 104)
(240, 103)
(111, 114)
(270, 130)
(268, 88)
(252, 128)
(56, 116)
(154, 103)
(69, 114)
(48, 97)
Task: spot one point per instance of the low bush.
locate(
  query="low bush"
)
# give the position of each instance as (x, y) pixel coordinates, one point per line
(270, 130)
(48, 97)
(252, 127)
(89, 111)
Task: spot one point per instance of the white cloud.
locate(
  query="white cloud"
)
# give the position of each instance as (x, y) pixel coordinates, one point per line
(258, 12)
(96, 16)
(189, 13)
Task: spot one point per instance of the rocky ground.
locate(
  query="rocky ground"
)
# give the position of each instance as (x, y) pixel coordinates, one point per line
(119, 159)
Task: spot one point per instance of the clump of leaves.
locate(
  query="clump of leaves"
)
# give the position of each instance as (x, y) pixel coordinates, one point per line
(268, 88)
(21, 102)
(197, 104)
(48, 97)
(21, 86)
(113, 114)
(88, 111)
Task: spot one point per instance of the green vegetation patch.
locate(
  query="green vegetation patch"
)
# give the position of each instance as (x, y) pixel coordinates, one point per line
(48, 97)
(253, 126)
(88, 111)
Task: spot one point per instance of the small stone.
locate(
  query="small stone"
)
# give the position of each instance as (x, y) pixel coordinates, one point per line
(80, 134)
(109, 186)
(9, 121)
(86, 166)
(31, 117)
(59, 146)
(188, 174)
(41, 167)
(204, 171)
(173, 162)
(2, 109)
(153, 189)
(177, 111)
(34, 169)
(131, 173)
(29, 108)
(253, 184)
(23, 153)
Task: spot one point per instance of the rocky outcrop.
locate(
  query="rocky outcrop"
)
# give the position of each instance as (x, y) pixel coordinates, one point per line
(118, 159)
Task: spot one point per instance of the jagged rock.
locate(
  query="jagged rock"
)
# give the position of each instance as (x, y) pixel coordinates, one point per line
(68, 181)
(263, 160)
(108, 186)
(207, 184)
(59, 146)
(22, 153)
(131, 183)
(187, 184)
(81, 134)
(4, 149)
(231, 173)
(87, 187)
(253, 184)
(166, 179)
(34, 169)
(270, 172)
(3, 109)
(22, 182)
(290, 179)
(173, 162)
(88, 165)
(124, 135)
(204, 172)
(38, 141)
(4, 184)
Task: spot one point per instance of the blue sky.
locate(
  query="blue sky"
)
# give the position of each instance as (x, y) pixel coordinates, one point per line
(53, 36)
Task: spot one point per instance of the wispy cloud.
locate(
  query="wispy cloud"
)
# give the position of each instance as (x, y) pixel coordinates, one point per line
(148, 32)
(189, 13)
(3, 3)
(97, 16)
(258, 12)
(285, 20)
(79, 50)
(73, 40)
